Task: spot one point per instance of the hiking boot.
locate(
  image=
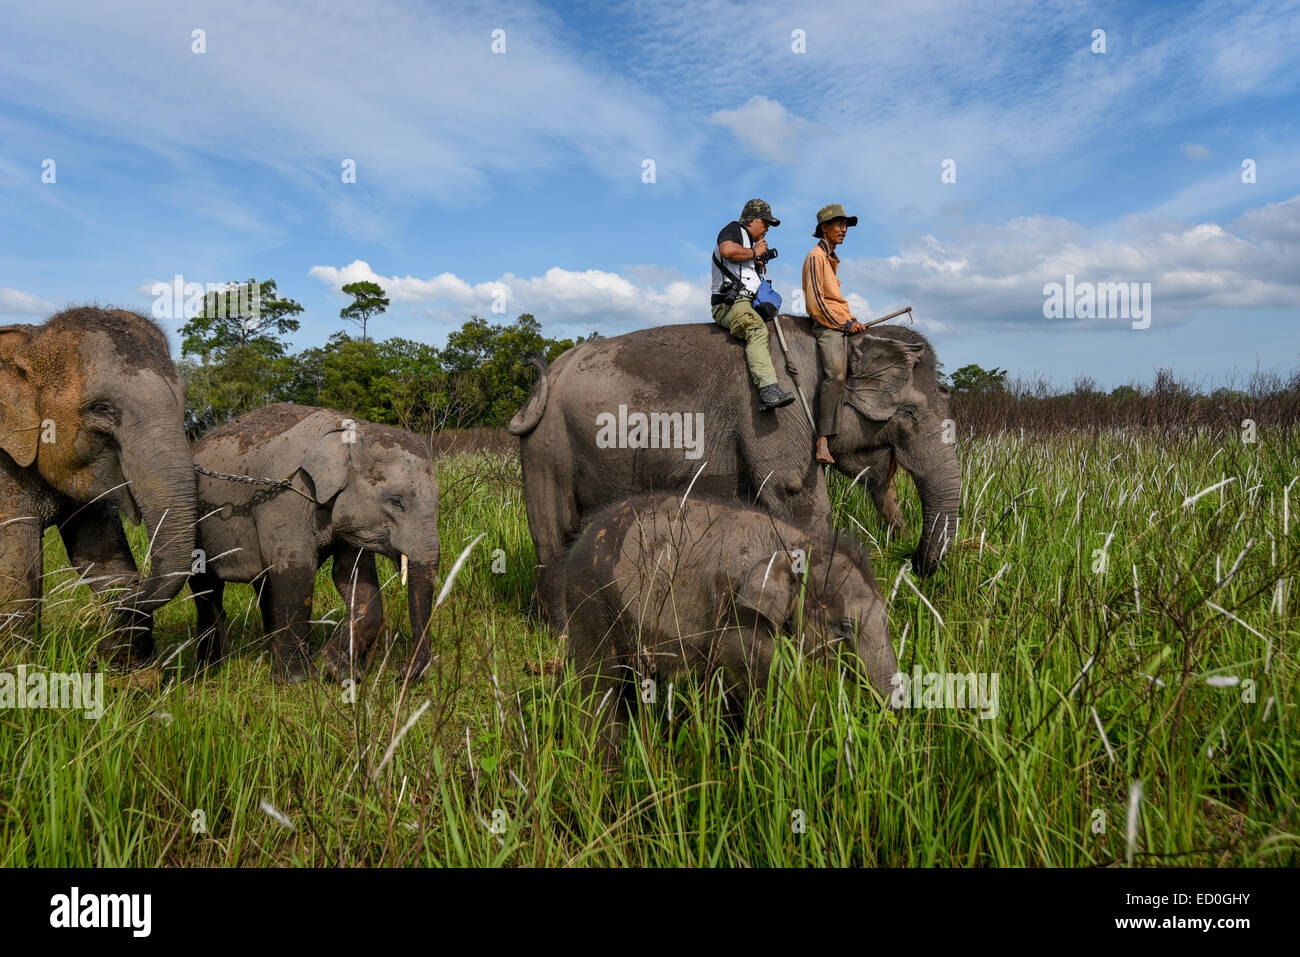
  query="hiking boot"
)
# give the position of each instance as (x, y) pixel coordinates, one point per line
(773, 397)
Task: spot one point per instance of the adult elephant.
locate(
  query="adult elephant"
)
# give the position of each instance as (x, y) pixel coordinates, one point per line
(92, 422)
(581, 446)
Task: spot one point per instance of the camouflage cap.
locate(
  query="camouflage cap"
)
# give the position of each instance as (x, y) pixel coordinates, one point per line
(833, 211)
(757, 209)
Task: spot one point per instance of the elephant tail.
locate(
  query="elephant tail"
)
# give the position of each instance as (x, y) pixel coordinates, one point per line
(526, 419)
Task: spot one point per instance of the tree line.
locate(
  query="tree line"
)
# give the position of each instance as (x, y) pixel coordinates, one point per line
(235, 363)
(985, 402)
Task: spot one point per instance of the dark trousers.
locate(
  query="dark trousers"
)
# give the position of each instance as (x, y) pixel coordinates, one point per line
(833, 350)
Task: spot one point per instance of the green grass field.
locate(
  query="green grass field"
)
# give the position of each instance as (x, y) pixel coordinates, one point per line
(1138, 637)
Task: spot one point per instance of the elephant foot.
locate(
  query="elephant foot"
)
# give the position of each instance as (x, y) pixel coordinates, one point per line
(148, 678)
(414, 670)
(293, 672)
(120, 656)
(342, 658)
(334, 663)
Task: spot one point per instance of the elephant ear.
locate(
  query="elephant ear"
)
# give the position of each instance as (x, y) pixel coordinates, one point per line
(20, 423)
(879, 371)
(329, 465)
(770, 589)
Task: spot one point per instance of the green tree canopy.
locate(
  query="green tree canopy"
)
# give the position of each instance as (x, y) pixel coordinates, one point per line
(972, 379)
(487, 366)
(236, 318)
(368, 302)
(481, 377)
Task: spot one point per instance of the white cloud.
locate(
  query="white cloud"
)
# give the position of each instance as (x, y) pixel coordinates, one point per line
(1196, 151)
(769, 130)
(1274, 223)
(896, 89)
(412, 92)
(977, 277)
(568, 302)
(17, 302)
(992, 274)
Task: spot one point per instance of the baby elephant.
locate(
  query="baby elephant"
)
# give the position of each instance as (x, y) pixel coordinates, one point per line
(656, 589)
(354, 489)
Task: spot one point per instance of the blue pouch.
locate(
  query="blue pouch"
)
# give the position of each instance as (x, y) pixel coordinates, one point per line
(767, 301)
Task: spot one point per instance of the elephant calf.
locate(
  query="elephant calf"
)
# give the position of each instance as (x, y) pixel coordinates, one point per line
(355, 489)
(656, 589)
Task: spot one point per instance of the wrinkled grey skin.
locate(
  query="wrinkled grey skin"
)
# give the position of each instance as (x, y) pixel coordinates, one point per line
(657, 590)
(376, 494)
(895, 407)
(92, 427)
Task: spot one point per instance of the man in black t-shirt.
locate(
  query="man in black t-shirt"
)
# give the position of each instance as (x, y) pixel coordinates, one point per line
(735, 280)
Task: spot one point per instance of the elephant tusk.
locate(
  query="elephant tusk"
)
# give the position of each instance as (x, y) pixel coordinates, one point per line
(404, 563)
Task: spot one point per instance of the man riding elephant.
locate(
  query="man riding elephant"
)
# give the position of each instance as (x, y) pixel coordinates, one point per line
(834, 323)
(739, 258)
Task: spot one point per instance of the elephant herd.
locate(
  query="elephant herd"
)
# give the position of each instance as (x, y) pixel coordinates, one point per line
(676, 525)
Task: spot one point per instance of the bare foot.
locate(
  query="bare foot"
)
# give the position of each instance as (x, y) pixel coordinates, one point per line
(823, 452)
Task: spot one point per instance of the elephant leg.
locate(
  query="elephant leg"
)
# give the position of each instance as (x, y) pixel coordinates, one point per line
(559, 519)
(209, 591)
(286, 600)
(357, 581)
(22, 568)
(605, 693)
(98, 549)
(604, 713)
(885, 498)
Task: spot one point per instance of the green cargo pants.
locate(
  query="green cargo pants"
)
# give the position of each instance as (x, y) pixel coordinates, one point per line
(833, 348)
(743, 322)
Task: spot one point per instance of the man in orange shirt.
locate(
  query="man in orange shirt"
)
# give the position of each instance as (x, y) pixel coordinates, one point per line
(832, 321)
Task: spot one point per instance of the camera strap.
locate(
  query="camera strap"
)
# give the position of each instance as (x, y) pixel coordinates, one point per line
(727, 273)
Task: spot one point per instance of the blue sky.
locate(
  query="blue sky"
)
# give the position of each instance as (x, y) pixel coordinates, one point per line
(517, 177)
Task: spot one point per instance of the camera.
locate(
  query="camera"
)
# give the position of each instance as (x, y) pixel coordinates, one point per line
(766, 257)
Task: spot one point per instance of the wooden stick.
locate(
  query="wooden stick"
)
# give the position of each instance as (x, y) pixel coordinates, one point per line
(875, 322)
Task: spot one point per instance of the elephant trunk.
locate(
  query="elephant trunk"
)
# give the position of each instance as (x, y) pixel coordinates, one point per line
(875, 651)
(940, 490)
(422, 580)
(160, 470)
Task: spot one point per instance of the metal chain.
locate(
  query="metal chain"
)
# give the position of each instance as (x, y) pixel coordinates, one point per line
(246, 479)
(253, 480)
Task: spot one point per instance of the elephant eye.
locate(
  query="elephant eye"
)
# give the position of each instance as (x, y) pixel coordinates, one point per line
(103, 410)
(396, 502)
